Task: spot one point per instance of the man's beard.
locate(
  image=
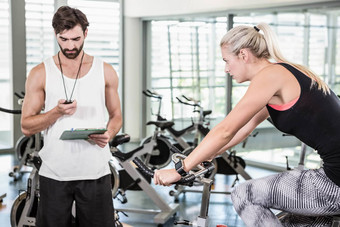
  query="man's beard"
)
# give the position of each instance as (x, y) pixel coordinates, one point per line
(72, 55)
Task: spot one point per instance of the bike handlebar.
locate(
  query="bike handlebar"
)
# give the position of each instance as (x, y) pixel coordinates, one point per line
(20, 101)
(189, 179)
(152, 94)
(20, 96)
(10, 111)
(195, 104)
(191, 99)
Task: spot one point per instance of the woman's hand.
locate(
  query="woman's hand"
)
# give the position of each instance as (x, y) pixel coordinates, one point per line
(166, 177)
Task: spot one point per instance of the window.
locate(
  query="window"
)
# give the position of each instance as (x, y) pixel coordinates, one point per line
(336, 86)
(103, 41)
(39, 32)
(303, 40)
(103, 38)
(185, 62)
(318, 44)
(6, 126)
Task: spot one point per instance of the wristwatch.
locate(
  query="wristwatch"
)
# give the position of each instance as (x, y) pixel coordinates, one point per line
(180, 168)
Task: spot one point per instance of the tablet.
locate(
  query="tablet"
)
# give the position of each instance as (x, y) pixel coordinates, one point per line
(78, 134)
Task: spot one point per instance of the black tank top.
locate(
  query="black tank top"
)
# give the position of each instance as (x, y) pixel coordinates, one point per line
(315, 120)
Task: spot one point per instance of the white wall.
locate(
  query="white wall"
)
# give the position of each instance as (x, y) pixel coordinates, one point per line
(150, 8)
(132, 78)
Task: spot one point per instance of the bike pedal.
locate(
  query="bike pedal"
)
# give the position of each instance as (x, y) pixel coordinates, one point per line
(184, 222)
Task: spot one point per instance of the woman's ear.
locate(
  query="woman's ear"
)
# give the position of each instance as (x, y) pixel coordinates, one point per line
(244, 54)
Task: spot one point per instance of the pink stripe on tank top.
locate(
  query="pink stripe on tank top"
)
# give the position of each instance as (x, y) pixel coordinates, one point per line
(285, 106)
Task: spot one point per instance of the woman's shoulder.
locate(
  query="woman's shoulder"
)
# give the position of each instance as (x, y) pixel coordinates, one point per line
(274, 68)
(272, 72)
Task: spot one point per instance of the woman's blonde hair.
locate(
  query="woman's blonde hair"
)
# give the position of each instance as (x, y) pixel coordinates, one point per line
(263, 43)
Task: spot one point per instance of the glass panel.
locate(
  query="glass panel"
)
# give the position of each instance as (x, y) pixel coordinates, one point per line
(39, 31)
(293, 32)
(336, 85)
(6, 120)
(318, 44)
(104, 30)
(184, 55)
(186, 59)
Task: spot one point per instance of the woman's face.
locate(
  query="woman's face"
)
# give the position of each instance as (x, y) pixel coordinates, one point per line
(234, 65)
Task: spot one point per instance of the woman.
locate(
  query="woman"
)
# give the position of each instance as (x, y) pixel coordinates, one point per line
(299, 103)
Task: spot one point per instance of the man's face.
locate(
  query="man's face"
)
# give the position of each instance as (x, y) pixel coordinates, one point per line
(71, 41)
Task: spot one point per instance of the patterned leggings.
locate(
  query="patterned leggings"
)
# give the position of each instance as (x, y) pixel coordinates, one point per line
(309, 197)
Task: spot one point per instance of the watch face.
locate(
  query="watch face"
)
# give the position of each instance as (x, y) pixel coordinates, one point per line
(179, 168)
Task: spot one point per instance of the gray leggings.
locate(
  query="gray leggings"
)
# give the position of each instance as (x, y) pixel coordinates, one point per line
(309, 197)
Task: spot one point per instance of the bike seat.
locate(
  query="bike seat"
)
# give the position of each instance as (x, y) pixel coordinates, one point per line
(161, 124)
(125, 156)
(119, 139)
(180, 132)
(206, 112)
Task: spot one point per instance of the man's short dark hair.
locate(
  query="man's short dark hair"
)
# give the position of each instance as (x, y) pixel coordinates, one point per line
(67, 18)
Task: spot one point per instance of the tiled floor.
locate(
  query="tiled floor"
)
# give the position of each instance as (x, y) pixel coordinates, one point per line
(220, 209)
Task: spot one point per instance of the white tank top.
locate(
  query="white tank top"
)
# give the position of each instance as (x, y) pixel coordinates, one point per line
(67, 160)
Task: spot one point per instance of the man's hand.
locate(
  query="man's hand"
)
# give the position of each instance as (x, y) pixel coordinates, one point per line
(100, 139)
(66, 109)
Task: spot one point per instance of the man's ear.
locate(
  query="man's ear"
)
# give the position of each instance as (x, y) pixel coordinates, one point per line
(85, 33)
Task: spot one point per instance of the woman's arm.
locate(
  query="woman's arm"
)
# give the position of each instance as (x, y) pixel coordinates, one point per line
(246, 130)
(262, 88)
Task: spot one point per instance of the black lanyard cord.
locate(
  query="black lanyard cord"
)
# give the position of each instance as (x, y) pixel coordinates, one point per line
(62, 76)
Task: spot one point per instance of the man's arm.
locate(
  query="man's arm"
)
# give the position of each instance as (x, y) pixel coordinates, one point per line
(32, 121)
(112, 103)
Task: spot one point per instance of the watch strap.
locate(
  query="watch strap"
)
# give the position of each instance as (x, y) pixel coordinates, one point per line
(180, 168)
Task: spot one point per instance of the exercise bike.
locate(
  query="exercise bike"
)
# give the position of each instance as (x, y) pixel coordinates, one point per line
(2, 197)
(25, 206)
(160, 157)
(227, 163)
(203, 219)
(24, 146)
(198, 128)
(134, 178)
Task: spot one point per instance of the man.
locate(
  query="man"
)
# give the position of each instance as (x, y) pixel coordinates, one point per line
(75, 90)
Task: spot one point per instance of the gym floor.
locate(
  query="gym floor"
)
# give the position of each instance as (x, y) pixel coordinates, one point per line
(221, 210)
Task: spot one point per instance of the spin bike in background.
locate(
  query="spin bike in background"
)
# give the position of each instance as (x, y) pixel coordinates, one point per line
(24, 145)
(160, 157)
(198, 128)
(227, 163)
(25, 206)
